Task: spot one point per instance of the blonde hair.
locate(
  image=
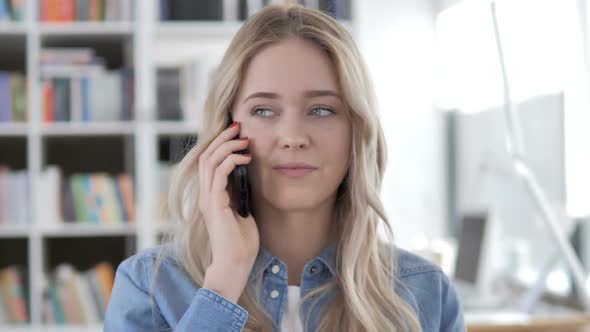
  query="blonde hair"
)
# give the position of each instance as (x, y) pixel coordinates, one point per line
(365, 299)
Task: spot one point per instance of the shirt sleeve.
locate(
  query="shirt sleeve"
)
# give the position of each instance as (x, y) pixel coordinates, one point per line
(210, 311)
(131, 307)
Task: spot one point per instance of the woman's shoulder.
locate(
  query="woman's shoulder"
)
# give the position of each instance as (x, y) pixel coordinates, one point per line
(143, 265)
(147, 257)
(156, 271)
(419, 274)
(410, 264)
(426, 287)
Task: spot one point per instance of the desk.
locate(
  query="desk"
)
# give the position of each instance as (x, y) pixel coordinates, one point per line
(578, 323)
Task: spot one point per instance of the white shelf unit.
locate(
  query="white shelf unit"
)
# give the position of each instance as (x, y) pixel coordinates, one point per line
(86, 28)
(150, 44)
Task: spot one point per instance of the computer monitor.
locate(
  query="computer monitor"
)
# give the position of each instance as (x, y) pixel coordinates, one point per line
(473, 271)
(470, 249)
(484, 176)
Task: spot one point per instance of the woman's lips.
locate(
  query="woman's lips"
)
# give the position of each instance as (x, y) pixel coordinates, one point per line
(295, 172)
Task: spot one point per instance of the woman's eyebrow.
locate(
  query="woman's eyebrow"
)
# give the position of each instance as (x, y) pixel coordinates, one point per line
(307, 94)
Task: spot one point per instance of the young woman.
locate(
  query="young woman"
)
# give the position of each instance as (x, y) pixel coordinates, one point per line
(309, 256)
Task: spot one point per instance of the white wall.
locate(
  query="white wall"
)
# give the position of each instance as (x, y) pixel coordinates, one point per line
(396, 38)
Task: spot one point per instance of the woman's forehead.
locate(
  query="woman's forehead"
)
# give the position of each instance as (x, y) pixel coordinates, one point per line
(293, 65)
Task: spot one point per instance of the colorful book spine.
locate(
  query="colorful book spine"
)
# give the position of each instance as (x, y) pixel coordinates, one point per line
(5, 98)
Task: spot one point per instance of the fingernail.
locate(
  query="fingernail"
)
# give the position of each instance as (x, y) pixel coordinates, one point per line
(244, 138)
(233, 124)
(248, 155)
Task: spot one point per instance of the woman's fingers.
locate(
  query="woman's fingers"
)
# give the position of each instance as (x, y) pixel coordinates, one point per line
(223, 171)
(206, 170)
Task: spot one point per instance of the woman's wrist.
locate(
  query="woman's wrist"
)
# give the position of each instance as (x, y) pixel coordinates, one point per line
(228, 282)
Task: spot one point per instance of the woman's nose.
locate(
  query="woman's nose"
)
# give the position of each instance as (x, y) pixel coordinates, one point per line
(293, 135)
(294, 143)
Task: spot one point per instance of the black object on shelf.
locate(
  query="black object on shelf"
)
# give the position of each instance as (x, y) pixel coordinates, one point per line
(339, 9)
(168, 95)
(89, 250)
(191, 10)
(174, 148)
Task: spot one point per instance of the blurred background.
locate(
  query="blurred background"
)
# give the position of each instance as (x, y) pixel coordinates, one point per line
(99, 99)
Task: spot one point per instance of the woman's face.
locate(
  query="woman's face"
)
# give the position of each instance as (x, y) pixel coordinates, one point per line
(290, 107)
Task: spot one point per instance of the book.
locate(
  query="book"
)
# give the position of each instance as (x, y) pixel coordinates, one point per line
(84, 197)
(14, 196)
(67, 204)
(19, 97)
(86, 10)
(3, 194)
(105, 96)
(12, 286)
(49, 185)
(106, 278)
(72, 303)
(168, 94)
(61, 99)
(5, 98)
(88, 305)
(48, 101)
(4, 11)
(77, 297)
(56, 304)
(100, 96)
(125, 185)
(67, 55)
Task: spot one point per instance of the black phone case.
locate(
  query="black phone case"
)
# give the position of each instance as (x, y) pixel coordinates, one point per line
(240, 187)
(241, 190)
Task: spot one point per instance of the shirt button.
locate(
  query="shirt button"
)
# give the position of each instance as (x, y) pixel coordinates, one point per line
(274, 294)
(275, 269)
(313, 269)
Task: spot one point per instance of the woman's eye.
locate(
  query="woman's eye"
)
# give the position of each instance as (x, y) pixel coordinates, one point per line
(266, 112)
(325, 109)
(258, 111)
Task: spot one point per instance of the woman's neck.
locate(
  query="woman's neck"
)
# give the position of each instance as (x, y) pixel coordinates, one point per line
(296, 237)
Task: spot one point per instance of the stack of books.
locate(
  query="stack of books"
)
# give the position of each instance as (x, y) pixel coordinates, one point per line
(94, 198)
(73, 297)
(13, 295)
(14, 196)
(77, 87)
(86, 10)
(13, 97)
(11, 10)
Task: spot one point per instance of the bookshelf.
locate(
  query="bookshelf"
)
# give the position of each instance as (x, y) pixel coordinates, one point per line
(145, 145)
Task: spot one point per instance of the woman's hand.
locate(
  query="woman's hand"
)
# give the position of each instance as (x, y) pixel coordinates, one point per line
(234, 240)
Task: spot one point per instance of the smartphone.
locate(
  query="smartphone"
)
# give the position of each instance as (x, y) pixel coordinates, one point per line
(240, 186)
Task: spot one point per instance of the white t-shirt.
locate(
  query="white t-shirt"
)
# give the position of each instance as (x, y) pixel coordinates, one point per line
(291, 321)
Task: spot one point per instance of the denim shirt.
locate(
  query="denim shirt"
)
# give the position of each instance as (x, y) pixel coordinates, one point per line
(181, 305)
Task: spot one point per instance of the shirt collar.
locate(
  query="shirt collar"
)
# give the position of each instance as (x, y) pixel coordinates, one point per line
(265, 258)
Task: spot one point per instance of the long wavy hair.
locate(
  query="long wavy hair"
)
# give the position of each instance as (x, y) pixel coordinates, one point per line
(365, 299)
